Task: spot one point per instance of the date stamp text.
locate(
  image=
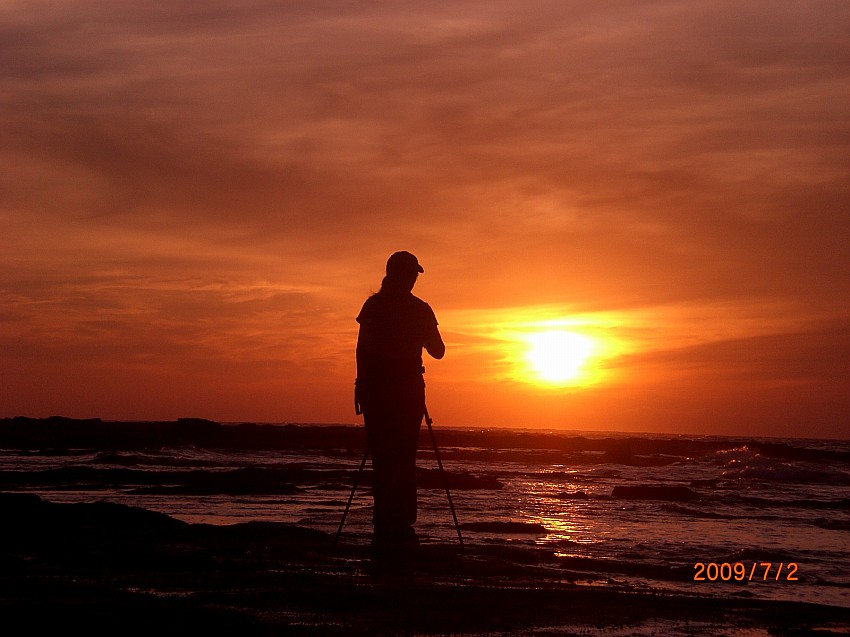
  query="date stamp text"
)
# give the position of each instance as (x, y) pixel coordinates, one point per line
(740, 572)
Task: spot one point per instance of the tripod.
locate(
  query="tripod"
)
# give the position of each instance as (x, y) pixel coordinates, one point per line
(428, 422)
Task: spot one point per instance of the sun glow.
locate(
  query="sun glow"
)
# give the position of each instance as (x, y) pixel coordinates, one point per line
(558, 356)
(548, 347)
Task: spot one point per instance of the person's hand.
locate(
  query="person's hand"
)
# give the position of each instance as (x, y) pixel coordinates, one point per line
(358, 400)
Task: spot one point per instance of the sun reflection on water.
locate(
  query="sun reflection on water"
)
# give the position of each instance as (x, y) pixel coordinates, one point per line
(565, 519)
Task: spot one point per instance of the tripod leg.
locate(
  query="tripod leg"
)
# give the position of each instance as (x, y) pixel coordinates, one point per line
(351, 496)
(428, 421)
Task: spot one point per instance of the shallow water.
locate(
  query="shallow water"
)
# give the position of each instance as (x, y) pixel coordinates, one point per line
(747, 510)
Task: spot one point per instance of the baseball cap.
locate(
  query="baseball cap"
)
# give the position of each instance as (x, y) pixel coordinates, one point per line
(403, 262)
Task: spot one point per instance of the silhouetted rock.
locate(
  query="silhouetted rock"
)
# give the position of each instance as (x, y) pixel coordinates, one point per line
(431, 479)
(25, 513)
(650, 492)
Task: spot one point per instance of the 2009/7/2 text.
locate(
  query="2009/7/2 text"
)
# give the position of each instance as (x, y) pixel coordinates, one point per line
(738, 572)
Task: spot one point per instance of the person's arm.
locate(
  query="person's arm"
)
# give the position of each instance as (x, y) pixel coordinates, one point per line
(364, 348)
(434, 342)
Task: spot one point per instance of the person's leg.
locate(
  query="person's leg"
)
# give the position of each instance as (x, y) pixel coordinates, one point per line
(380, 449)
(392, 427)
(410, 420)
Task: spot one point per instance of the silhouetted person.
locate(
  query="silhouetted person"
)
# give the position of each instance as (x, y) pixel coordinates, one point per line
(390, 393)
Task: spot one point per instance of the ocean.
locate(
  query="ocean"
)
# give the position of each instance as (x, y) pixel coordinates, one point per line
(708, 515)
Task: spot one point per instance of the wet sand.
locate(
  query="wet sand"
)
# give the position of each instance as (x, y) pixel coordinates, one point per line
(106, 568)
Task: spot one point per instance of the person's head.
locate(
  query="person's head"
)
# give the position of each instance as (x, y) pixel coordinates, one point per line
(402, 270)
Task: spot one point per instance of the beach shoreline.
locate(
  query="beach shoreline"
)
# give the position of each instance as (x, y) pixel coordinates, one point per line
(105, 567)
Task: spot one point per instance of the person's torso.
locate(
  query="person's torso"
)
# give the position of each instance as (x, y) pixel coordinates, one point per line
(397, 326)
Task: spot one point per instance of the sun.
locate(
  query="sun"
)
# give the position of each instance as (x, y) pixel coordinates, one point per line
(558, 356)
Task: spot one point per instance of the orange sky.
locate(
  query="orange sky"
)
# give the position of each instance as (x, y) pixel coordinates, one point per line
(196, 198)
